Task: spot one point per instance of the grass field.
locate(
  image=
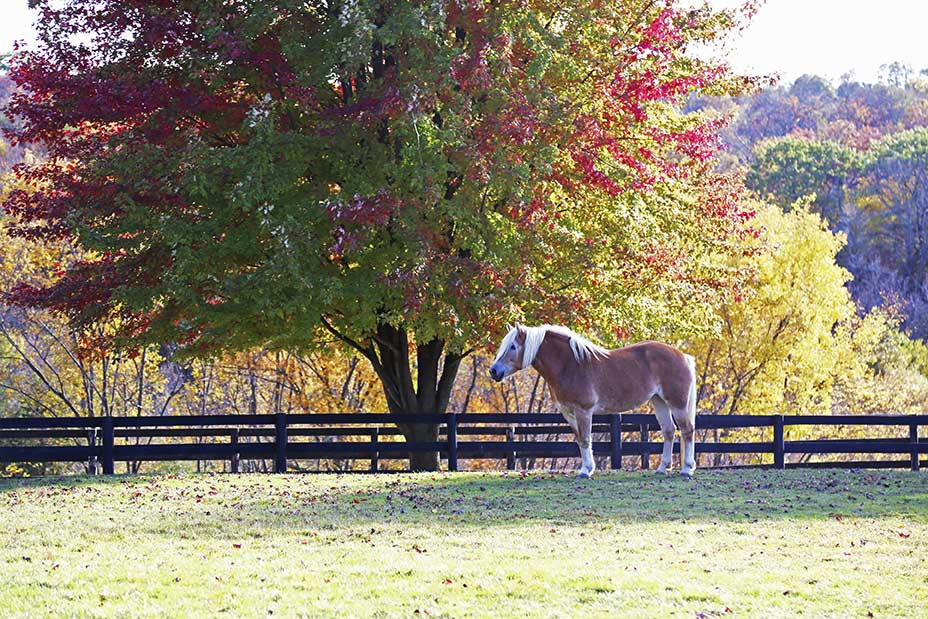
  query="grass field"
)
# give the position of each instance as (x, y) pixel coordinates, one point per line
(739, 544)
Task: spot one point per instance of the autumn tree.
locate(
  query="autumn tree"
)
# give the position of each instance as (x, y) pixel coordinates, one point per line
(778, 350)
(402, 176)
(796, 343)
(897, 221)
(790, 169)
(891, 370)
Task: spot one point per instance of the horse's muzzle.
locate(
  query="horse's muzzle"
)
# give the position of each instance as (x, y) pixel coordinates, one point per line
(496, 374)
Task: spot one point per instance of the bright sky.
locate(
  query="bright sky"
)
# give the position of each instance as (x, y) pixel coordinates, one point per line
(15, 23)
(831, 37)
(790, 37)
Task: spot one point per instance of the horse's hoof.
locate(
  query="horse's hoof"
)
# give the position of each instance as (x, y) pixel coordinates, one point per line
(661, 471)
(688, 476)
(583, 475)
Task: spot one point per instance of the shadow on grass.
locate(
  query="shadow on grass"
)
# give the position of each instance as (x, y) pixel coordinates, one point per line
(209, 505)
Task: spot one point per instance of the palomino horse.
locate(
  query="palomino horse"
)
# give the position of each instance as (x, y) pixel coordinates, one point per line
(586, 379)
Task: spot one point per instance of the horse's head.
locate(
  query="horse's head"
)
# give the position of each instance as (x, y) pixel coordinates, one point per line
(510, 357)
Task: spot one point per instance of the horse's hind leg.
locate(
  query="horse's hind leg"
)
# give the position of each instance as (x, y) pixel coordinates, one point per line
(687, 425)
(686, 421)
(665, 419)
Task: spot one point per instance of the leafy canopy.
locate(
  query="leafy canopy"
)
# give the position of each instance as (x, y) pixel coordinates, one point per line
(780, 348)
(789, 169)
(241, 172)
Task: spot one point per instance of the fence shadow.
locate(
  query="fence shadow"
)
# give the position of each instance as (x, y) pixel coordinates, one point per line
(224, 505)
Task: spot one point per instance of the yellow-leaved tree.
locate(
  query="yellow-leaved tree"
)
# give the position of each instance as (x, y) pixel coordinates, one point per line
(795, 343)
(780, 347)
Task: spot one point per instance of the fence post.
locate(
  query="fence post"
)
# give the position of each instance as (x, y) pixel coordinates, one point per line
(646, 449)
(280, 442)
(375, 455)
(452, 441)
(913, 443)
(108, 444)
(779, 444)
(615, 435)
(233, 440)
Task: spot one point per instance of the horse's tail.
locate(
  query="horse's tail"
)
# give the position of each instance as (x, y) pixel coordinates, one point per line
(691, 399)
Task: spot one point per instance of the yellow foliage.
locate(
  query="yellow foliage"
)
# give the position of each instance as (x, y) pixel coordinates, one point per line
(779, 347)
(796, 343)
(884, 378)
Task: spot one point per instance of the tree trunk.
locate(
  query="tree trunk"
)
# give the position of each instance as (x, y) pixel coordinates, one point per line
(436, 370)
(430, 394)
(422, 433)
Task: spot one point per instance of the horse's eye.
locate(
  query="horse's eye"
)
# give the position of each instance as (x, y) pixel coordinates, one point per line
(513, 347)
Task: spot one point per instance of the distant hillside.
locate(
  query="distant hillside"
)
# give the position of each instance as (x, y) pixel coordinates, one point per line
(862, 151)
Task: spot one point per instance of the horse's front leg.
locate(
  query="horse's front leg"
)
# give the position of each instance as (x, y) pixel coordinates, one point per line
(582, 426)
(568, 414)
(584, 435)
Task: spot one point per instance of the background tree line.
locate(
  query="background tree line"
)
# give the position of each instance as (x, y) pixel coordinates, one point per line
(859, 152)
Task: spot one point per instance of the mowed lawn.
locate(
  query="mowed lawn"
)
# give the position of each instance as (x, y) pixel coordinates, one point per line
(727, 544)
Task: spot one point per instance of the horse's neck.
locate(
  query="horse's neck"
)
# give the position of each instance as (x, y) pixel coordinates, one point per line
(553, 358)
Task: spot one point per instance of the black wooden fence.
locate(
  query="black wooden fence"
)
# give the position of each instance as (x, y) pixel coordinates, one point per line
(282, 437)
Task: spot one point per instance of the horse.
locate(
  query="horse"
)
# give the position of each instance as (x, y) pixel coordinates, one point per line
(586, 379)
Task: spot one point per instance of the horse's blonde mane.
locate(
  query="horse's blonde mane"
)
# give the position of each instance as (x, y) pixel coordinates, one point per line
(582, 348)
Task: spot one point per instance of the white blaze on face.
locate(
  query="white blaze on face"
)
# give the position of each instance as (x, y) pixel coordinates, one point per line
(506, 343)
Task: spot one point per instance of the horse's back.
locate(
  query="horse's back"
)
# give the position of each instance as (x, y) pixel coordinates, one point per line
(668, 366)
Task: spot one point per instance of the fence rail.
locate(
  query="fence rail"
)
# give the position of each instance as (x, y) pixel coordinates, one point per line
(460, 437)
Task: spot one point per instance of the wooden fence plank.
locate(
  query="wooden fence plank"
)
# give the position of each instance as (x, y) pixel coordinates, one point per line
(913, 441)
(375, 455)
(453, 442)
(779, 446)
(851, 420)
(192, 420)
(234, 461)
(645, 455)
(12, 423)
(284, 447)
(510, 451)
(42, 453)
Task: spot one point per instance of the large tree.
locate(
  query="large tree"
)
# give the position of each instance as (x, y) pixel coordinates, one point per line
(402, 176)
(780, 347)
